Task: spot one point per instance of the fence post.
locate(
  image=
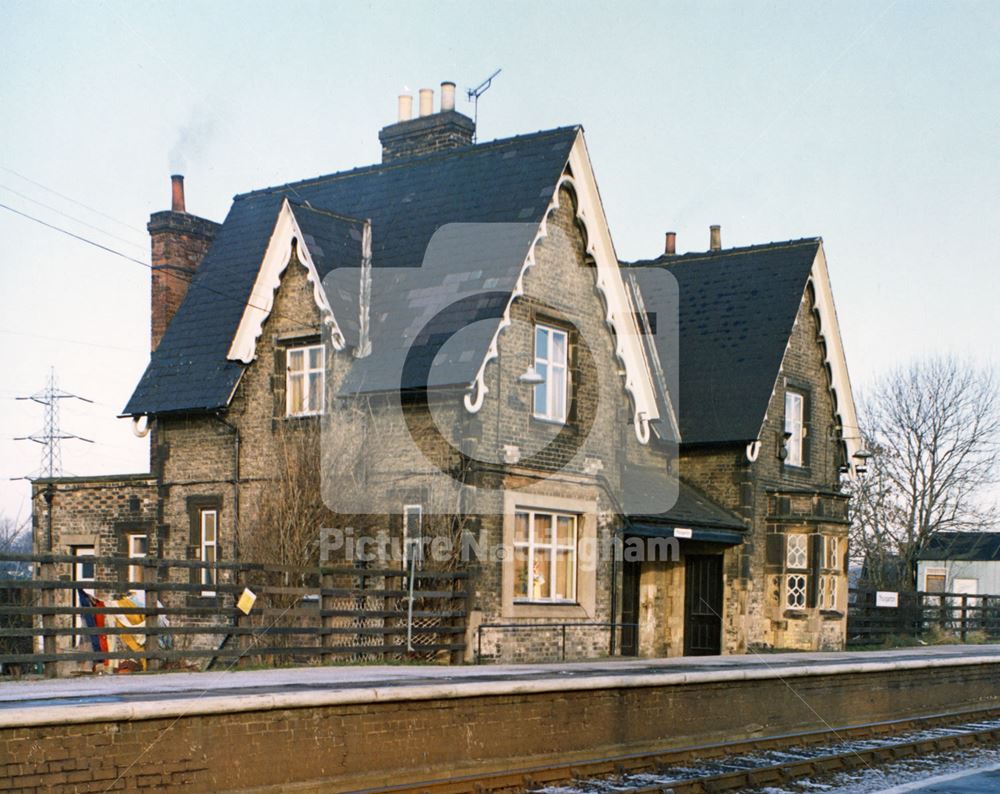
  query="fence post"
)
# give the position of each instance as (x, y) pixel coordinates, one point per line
(150, 576)
(48, 599)
(326, 604)
(457, 586)
(965, 616)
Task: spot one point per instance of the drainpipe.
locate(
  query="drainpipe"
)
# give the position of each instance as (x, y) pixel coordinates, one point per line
(236, 485)
(49, 498)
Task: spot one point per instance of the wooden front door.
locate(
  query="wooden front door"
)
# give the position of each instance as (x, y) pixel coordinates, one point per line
(703, 605)
(630, 609)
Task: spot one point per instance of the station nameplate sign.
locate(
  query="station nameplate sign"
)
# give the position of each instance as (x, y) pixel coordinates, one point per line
(886, 599)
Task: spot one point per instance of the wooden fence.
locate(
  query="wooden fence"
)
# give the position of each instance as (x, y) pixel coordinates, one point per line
(919, 614)
(160, 613)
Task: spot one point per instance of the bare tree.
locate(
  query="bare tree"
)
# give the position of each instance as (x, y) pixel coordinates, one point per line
(15, 538)
(933, 429)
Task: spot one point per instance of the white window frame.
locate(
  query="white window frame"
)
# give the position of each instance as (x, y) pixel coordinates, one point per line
(796, 590)
(833, 590)
(554, 548)
(412, 542)
(796, 544)
(135, 572)
(206, 577)
(78, 620)
(550, 365)
(831, 552)
(795, 403)
(304, 374)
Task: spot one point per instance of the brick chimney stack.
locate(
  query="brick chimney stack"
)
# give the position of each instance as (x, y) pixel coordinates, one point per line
(430, 131)
(178, 243)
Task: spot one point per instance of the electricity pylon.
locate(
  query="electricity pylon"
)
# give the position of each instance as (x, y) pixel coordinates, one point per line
(51, 437)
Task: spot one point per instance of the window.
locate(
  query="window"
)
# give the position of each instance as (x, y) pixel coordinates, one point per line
(795, 591)
(794, 427)
(83, 571)
(412, 533)
(934, 583)
(209, 547)
(137, 549)
(796, 551)
(827, 593)
(796, 556)
(544, 557)
(304, 375)
(832, 546)
(550, 365)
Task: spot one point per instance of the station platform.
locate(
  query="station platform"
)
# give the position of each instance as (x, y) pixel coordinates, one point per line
(369, 728)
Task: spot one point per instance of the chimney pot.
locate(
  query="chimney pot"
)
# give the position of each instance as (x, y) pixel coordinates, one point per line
(426, 101)
(447, 96)
(715, 237)
(670, 243)
(177, 193)
(405, 107)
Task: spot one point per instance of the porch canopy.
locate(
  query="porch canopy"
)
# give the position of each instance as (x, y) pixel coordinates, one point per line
(693, 517)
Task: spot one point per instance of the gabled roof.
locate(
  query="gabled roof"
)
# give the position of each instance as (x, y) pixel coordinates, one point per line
(736, 310)
(406, 202)
(966, 546)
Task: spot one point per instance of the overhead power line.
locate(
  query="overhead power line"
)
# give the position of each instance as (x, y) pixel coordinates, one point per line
(72, 200)
(146, 265)
(71, 217)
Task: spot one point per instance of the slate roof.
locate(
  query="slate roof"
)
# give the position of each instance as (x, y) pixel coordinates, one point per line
(962, 546)
(694, 509)
(509, 181)
(736, 309)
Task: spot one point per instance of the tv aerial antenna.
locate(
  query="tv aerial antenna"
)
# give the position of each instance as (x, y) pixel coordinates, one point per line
(474, 93)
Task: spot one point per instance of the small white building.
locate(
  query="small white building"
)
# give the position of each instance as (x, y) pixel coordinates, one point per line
(960, 562)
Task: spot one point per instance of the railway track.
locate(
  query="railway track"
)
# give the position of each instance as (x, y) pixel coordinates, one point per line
(739, 765)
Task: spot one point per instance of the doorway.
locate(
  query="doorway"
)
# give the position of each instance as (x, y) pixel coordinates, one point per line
(703, 605)
(630, 609)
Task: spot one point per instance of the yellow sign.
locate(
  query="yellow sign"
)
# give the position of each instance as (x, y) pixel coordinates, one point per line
(246, 602)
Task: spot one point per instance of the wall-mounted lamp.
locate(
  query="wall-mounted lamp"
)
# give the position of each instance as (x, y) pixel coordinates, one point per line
(531, 376)
(783, 446)
(861, 460)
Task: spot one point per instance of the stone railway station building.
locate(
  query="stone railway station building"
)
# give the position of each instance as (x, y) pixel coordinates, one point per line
(468, 297)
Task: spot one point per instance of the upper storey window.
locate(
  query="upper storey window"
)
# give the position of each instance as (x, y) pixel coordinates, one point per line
(794, 427)
(305, 372)
(550, 365)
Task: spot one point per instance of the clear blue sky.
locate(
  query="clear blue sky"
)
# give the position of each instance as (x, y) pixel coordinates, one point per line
(872, 124)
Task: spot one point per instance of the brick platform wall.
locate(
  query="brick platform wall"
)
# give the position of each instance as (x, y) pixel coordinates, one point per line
(341, 748)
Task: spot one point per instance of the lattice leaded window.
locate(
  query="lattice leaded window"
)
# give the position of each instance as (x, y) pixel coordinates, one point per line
(797, 551)
(831, 592)
(833, 553)
(795, 591)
